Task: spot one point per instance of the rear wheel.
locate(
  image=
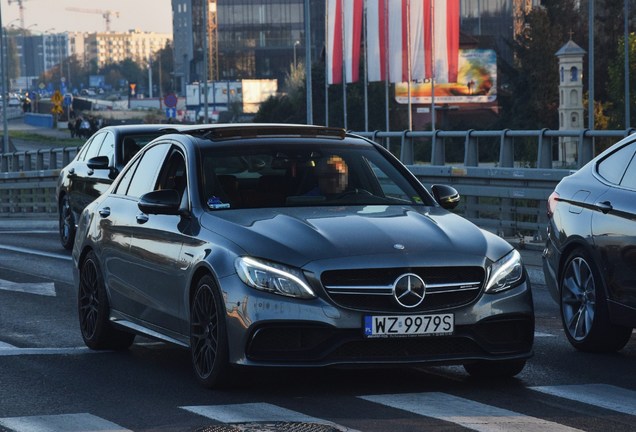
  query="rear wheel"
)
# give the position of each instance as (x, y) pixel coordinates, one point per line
(495, 369)
(584, 310)
(67, 223)
(208, 335)
(94, 310)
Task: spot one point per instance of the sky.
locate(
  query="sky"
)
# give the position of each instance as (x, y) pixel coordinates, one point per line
(51, 16)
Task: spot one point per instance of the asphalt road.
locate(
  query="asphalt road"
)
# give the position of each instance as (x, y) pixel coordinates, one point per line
(50, 382)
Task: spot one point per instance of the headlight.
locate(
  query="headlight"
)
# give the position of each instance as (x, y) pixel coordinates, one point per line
(272, 277)
(505, 273)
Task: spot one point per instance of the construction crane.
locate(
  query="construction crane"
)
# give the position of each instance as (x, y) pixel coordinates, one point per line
(21, 7)
(106, 14)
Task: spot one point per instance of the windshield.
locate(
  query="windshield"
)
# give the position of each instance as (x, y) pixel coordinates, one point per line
(302, 175)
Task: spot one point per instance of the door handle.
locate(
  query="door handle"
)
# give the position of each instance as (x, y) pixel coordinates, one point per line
(142, 218)
(104, 212)
(605, 206)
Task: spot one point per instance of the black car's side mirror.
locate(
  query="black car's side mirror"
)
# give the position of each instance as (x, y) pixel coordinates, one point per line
(165, 202)
(98, 163)
(446, 196)
(102, 163)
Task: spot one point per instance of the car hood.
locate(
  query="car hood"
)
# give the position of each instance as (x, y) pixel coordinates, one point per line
(404, 234)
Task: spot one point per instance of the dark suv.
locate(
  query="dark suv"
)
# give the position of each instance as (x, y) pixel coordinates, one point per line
(95, 167)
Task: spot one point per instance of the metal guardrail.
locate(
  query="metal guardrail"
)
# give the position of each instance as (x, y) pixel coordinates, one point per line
(496, 195)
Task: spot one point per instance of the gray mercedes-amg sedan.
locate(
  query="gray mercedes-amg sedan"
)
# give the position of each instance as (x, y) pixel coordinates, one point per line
(288, 245)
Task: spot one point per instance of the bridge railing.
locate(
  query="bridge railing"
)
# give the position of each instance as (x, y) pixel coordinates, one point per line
(506, 194)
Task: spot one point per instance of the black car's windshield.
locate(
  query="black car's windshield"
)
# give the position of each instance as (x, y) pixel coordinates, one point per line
(302, 175)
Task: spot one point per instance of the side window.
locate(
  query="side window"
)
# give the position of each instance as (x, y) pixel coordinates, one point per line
(629, 179)
(173, 175)
(93, 146)
(145, 175)
(126, 177)
(613, 166)
(108, 147)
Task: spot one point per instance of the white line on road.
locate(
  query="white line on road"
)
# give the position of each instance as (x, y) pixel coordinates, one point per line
(39, 288)
(7, 351)
(601, 395)
(35, 252)
(464, 412)
(61, 423)
(256, 412)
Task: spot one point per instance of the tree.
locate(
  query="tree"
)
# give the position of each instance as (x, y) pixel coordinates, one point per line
(616, 84)
(534, 76)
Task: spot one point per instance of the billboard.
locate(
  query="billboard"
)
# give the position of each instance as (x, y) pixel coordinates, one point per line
(476, 82)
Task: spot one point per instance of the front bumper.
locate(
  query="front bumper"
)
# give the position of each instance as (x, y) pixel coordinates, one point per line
(267, 330)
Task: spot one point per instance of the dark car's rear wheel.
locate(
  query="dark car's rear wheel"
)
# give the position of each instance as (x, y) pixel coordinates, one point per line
(584, 309)
(208, 335)
(67, 223)
(495, 369)
(93, 308)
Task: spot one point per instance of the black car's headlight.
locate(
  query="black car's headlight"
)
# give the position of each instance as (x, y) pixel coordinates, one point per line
(272, 277)
(504, 273)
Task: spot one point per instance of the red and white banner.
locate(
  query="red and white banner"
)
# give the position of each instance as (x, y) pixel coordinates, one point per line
(420, 37)
(344, 30)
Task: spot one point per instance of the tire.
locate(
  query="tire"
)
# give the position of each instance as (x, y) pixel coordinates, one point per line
(93, 309)
(66, 223)
(584, 310)
(495, 369)
(208, 335)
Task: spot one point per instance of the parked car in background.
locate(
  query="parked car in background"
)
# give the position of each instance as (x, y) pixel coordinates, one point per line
(94, 168)
(590, 257)
(289, 245)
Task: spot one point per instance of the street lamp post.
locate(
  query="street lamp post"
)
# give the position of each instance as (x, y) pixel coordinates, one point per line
(295, 45)
(5, 124)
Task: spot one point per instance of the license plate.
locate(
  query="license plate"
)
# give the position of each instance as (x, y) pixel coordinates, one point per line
(408, 325)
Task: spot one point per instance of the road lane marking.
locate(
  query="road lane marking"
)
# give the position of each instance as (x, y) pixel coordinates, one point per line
(9, 350)
(541, 334)
(35, 252)
(601, 395)
(257, 412)
(466, 413)
(38, 288)
(61, 423)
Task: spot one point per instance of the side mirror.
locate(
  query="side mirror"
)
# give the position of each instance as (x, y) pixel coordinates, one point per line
(446, 196)
(98, 163)
(102, 163)
(165, 202)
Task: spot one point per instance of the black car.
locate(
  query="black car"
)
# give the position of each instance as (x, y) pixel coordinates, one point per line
(94, 168)
(590, 257)
(287, 245)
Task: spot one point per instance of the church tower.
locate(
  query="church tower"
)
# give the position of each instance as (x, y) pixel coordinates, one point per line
(571, 115)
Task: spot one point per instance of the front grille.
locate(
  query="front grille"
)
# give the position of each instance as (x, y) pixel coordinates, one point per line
(371, 290)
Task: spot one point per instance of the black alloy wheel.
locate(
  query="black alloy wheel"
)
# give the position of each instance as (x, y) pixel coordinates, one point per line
(67, 223)
(93, 309)
(584, 310)
(208, 335)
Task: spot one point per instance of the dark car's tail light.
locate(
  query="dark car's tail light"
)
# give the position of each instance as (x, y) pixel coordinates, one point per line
(552, 202)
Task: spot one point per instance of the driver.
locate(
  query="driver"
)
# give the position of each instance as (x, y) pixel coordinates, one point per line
(333, 175)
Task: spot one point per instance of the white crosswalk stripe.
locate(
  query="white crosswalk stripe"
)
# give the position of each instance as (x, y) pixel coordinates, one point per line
(61, 423)
(256, 412)
(601, 395)
(467, 413)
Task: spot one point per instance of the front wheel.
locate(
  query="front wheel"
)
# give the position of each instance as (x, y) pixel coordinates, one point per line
(584, 310)
(495, 369)
(208, 335)
(94, 310)
(66, 223)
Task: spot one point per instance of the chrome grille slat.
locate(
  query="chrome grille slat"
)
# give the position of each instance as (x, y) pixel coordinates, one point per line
(447, 287)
